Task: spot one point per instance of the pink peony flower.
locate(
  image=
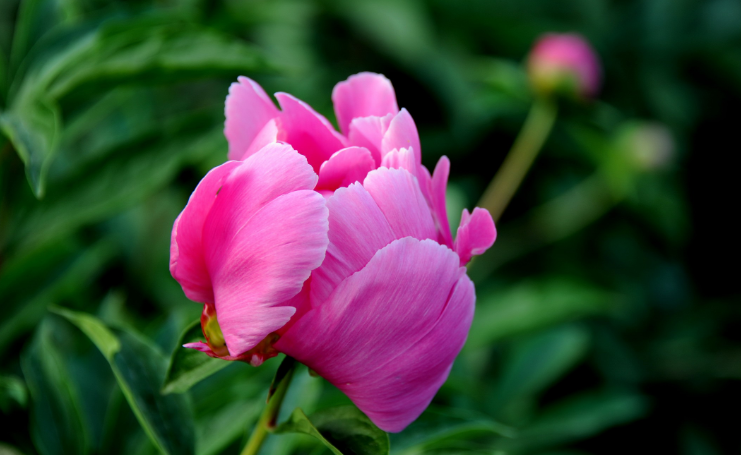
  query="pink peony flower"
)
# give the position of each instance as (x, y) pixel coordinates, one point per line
(387, 311)
(564, 63)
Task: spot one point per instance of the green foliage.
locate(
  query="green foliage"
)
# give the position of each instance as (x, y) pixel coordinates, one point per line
(188, 366)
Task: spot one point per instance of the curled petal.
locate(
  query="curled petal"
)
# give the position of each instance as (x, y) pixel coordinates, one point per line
(368, 132)
(248, 109)
(402, 133)
(438, 188)
(476, 234)
(307, 131)
(363, 95)
(388, 335)
(344, 167)
(187, 262)
(400, 159)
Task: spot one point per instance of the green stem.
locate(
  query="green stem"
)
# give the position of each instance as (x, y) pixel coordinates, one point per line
(524, 151)
(269, 416)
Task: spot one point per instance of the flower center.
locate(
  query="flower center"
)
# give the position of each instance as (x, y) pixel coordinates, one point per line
(212, 331)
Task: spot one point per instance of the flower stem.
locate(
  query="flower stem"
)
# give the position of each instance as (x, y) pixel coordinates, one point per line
(508, 178)
(269, 415)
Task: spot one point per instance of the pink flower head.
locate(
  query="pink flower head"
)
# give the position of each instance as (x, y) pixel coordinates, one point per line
(564, 63)
(387, 311)
(248, 238)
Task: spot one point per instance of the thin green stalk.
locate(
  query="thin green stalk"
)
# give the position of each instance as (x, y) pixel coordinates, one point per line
(269, 416)
(534, 132)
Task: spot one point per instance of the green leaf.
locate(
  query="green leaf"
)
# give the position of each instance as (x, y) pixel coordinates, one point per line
(12, 389)
(532, 305)
(188, 366)
(57, 425)
(140, 369)
(344, 430)
(33, 125)
(442, 428)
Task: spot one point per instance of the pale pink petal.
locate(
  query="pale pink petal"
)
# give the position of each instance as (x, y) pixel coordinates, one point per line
(357, 229)
(307, 131)
(476, 234)
(187, 261)
(388, 335)
(402, 133)
(368, 132)
(344, 167)
(438, 187)
(399, 197)
(265, 264)
(400, 159)
(363, 95)
(267, 135)
(248, 109)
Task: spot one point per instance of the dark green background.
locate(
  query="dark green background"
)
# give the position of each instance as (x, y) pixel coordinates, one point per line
(607, 324)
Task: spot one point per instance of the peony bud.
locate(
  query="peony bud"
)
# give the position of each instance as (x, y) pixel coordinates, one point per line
(564, 64)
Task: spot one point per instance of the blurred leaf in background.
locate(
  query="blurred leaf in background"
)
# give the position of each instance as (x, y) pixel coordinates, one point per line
(607, 310)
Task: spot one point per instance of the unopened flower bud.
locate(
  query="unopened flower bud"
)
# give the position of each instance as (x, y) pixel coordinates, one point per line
(564, 64)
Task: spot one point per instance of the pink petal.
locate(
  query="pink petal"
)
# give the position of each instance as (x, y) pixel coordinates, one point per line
(402, 133)
(248, 109)
(344, 167)
(187, 264)
(267, 135)
(438, 187)
(400, 159)
(368, 132)
(363, 95)
(399, 197)
(307, 131)
(476, 234)
(266, 263)
(388, 335)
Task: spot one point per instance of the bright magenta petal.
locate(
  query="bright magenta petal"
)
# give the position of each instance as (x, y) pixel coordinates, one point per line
(248, 109)
(401, 159)
(438, 187)
(368, 132)
(344, 167)
(363, 95)
(389, 333)
(402, 134)
(399, 197)
(187, 261)
(476, 234)
(307, 131)
(265, 264)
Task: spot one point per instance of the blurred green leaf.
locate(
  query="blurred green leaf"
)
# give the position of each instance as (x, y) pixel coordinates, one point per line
(12, 389)
(439, 428)
(532, 305)
(535, 362)
(188, 366)
(344, 430)
(140, 369)
(57, 425)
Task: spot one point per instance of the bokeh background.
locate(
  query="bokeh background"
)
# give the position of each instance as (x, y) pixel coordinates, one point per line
(607, 314)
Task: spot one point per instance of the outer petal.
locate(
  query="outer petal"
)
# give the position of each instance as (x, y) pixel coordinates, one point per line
(344, 167)
(402, 133)
(307, 131)
(368, 132)
(438, 188)
(476, 234)
(363, 95)
(388, 335)
(248, 109)
(187, 262)
(266, 263)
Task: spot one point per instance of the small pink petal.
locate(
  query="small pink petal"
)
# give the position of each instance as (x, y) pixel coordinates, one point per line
(248, 109)
(363, 95)
(267, 135)
(187, 263)
(307, 131)
(438, 188)
(476, 234)
(344, 167)
(400, 159)
(389, 333)
(402, 133)
(368, 132)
